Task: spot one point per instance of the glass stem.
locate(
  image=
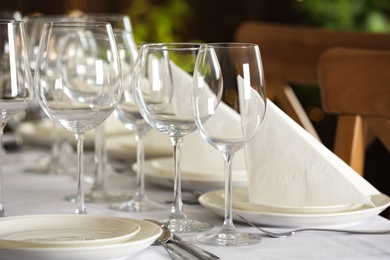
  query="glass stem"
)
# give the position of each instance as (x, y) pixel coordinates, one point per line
(2, 210)
(55, 147)
(177, 206)
(81, 209)
(140, 179)
(228, 226)
(99, 158)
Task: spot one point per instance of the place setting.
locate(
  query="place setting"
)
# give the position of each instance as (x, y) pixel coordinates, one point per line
(67, 236)
(312, 187)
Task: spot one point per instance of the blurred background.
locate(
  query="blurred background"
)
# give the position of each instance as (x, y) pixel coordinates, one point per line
(217, 20)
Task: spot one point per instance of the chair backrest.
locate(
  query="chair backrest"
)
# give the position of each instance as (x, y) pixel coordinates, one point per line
(290, 56)
(355, 84)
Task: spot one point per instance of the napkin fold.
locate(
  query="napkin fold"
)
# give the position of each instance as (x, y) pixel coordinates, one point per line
(288, 167)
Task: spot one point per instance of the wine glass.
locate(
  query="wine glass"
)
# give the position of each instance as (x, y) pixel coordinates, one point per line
(229, 104)
(78, 80)
(61, 152)
(99, 193)
(15, 79)
(162, 81)
(128, 113)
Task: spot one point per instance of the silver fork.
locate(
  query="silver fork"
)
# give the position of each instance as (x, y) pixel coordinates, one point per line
(292, 232)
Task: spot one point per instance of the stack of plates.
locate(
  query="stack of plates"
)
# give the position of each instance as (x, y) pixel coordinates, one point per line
(160, 171)
(84, 237)
(292, 216)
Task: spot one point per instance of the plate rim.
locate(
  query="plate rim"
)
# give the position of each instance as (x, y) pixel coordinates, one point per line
(150, 170)
(60, 218)
(219, 209)
(287, 209)
(124, 249)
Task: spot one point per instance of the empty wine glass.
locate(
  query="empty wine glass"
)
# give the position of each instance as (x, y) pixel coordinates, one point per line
(78, 80)
(162, 91)
(99, 192)
(61, 151)
(128, 113)
(15, 79)
(229, 104)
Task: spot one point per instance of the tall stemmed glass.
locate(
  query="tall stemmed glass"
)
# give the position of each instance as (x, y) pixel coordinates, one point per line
(83, 85)
(162, 91)
(61, 152)
(229, 104)
(99, 192)
(15, 79)
(128, 113)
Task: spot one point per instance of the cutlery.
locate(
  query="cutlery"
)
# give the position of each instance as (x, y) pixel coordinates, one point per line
(292, 232)
(163, 239)
(191, 248)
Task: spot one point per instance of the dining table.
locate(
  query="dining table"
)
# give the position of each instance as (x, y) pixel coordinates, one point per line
(26, 193)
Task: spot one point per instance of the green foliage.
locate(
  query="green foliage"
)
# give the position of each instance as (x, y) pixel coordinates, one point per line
(159, 21)
(366, 15)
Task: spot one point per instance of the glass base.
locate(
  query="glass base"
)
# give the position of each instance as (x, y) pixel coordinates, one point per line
(50, 165)
(228, 239)
(47, 166)
(90, 174)
(144, 205)
(186, 225)
(101, 196)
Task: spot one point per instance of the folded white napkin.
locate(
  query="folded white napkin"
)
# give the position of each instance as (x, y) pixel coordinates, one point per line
(288, 167)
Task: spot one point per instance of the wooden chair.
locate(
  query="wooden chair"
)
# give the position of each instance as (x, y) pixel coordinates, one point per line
(355, 85)
(291, 53)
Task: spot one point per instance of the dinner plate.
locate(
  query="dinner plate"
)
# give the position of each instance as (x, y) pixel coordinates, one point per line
(160, 172)
(65, 230)
(148, 233)
(215, 202)
(241, 201)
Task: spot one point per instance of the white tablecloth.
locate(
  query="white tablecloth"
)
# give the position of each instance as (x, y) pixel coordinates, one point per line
(26, 193)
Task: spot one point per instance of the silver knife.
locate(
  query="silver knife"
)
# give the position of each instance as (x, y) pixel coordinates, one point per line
(193, 249)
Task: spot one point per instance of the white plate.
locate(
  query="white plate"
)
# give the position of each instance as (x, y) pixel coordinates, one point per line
(145, 237)
(125, 147)
(241, 201)
(65, 230)
(159, 171)
(215, 202)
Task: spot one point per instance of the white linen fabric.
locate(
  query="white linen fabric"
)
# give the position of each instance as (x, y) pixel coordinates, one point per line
(29, 194)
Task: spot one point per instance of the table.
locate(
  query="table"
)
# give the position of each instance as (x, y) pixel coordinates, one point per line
(26, 193)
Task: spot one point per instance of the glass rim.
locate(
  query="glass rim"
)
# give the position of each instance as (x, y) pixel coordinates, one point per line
(71, 24)
(10, 21)
(230, 44)
(49, 17)
(171, 46)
